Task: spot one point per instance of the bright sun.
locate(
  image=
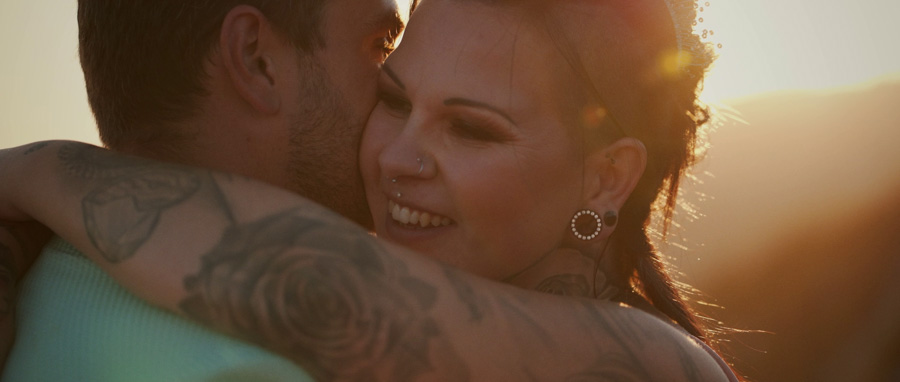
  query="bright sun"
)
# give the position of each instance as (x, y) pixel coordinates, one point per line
(771, 45)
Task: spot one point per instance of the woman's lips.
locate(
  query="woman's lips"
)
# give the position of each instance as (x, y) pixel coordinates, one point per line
(412, 217)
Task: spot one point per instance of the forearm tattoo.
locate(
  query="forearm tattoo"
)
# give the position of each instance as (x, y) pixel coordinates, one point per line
(122, 213)
(34, 147)
(565, 285)
(466, 294)
(322, 292)
(344, 317)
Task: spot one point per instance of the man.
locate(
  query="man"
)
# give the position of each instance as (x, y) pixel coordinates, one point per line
(279, 91)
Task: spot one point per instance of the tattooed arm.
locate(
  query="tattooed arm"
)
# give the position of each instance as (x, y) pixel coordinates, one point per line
(20, 243)
(272, 268)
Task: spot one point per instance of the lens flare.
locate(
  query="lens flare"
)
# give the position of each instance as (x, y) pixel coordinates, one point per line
(673, 64)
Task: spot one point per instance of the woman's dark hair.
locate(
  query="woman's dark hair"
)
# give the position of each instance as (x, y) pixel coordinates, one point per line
(640, 62)
(669, 129)
(648, 82)
(143, 59)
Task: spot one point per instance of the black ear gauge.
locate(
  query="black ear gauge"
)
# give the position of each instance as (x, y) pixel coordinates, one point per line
(610, 218)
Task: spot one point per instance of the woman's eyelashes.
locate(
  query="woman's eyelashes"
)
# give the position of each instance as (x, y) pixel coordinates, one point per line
(475, 130)
(397, 105)
(468, 127)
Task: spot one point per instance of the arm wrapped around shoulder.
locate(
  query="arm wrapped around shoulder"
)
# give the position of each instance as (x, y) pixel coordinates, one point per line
(20, 243)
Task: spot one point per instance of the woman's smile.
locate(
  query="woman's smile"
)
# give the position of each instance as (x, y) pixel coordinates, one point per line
(415, 227)
(412, 217)
(475, 141)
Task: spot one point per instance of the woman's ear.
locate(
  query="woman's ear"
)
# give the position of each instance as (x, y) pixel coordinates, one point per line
(612, 173)
(247, 47)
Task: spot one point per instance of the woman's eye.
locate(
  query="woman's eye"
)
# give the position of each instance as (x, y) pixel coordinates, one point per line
(474, 131)
(396, 105)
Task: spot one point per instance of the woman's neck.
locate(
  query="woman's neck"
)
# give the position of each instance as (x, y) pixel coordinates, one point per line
(567, 272)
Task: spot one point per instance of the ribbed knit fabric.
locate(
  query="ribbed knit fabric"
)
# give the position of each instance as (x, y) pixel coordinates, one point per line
(74, 323)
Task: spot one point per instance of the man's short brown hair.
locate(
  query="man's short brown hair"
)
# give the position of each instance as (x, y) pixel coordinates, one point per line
(143, 59)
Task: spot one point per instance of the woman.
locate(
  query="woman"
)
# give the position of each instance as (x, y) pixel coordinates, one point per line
(491, 155)
(522, 141)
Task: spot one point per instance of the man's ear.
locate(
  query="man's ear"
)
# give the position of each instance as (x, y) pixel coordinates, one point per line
(612, 173)
(247, 45)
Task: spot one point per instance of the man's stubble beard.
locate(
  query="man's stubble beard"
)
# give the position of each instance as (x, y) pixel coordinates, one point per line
(324, 147)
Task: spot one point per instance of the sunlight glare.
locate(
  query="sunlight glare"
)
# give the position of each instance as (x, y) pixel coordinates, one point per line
(673, 63)
(771, 45)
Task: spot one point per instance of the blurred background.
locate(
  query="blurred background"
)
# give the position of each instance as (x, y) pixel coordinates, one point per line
(791, 227)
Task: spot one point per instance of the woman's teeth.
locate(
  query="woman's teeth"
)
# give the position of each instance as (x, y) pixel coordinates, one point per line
(406, 215)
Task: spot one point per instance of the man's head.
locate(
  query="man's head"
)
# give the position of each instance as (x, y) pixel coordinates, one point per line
(144, 59)
(273, 89)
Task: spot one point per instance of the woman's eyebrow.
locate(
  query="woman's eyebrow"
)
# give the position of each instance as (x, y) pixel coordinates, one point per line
(477, 104)
(456, 101)
(387, 70)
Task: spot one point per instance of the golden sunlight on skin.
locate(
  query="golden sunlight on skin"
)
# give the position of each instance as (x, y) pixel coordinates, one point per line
(794, 208)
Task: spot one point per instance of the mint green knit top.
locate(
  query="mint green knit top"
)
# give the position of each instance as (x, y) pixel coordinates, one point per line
(74, 323)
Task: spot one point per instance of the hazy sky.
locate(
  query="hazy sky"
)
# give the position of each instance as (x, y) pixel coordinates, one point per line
(800, 44)
(767, 45)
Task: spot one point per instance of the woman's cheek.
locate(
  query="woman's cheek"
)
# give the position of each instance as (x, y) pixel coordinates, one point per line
(373, 142)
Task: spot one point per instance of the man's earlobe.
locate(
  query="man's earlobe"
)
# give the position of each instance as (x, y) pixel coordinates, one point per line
(243, 43)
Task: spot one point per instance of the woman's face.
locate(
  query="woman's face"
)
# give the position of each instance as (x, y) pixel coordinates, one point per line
(475, 94)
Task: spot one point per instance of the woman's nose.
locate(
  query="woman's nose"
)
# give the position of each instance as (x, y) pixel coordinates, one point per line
(406, 158)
